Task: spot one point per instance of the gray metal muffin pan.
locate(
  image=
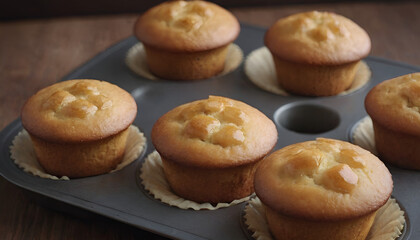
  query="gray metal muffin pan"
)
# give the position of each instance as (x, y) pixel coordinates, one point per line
(119, 196)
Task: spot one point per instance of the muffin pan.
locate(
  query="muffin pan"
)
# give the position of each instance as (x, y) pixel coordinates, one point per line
(118, 195)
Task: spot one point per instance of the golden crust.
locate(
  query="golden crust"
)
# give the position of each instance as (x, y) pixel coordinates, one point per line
(187, 26)
(324, 180)
(319, 38)
(81, 159)
(186, 66)
(314, 80)
(78, 110)
(216, 132)
(397, 148)
(285, 227)
(210, 185)
(395, 104)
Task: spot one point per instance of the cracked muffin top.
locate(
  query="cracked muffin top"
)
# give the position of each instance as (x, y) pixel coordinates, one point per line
(325, 179)
(314, 37)
(395, 104)
(214, 133)
(187, 26)
(78, 110)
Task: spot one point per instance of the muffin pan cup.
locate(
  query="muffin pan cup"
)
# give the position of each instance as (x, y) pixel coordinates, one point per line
(119, 195)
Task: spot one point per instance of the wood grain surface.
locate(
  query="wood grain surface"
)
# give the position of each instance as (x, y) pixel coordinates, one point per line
(37, 53)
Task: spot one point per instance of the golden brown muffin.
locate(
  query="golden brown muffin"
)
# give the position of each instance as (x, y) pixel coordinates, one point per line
(323, 189)
(79, 127)
(394, 107)
(210, 148)
(316, 53)
(186, 40)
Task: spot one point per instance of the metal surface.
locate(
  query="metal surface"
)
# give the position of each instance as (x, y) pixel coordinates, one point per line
(118, 195)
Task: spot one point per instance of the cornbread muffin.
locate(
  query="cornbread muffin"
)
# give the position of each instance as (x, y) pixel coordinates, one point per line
(79, 127)
(323, 189)
(186, 40)
(316, 53)
(210, 148)
(394, 107)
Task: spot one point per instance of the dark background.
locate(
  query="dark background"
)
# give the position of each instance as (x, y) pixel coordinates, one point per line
(18, 9)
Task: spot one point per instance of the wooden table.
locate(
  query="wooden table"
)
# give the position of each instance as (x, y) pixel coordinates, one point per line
(37, 53)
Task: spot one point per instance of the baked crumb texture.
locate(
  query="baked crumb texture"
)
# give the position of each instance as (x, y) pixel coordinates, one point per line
(79, 127)
(329, 187)
(210, 148)
(186, 40)
(214, 122)
(316, 53)
(394, 107)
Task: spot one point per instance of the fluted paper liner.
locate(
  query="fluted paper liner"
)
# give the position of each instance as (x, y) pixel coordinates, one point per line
(260, 69)
(136, 60)
(388, 223)
(364, 136)
(154, 181)
(23, 153)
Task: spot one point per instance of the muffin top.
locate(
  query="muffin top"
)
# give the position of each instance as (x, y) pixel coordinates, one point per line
(78, 110)
(217, 132)
(324, 179)
(395, 104)
(187, 26)
(319, 38)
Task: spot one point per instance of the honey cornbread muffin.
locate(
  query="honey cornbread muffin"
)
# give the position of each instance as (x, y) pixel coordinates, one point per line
(316, 53)
(186, 40)
(210, 148)
(79, 127)
(393, 106)
(323, 189)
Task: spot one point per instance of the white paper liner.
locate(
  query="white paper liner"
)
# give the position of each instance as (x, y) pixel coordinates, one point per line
(136, 60)
(388, 223)
(154, 181)
(260, 69)
(255, 220)
(23, 154)
(364, 136)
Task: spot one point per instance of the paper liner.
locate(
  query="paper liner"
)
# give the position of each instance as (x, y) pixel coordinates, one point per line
(136, 60)
(363, 135)
(154, 181)
(255, 220)
(388, 223)
(23, 153)
(260, 69)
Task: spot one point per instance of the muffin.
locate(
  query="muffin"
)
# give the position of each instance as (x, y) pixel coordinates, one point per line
(394, 107)
(79, 127)
(316, 53)
(186, 40)
(323, 189)
(210, 148)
